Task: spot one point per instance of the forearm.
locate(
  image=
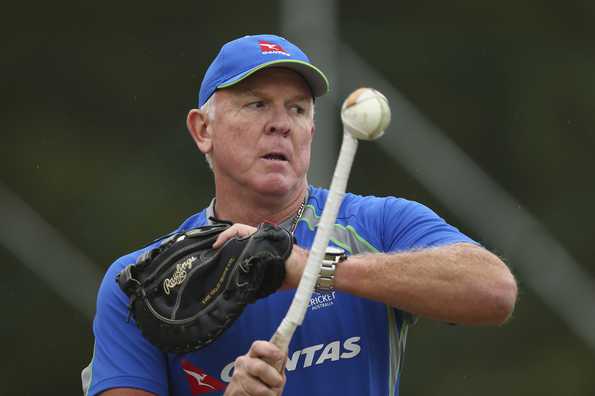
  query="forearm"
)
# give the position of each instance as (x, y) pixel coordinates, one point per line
(459, 283)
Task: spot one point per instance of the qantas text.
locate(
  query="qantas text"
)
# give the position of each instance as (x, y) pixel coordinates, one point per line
(313, 355)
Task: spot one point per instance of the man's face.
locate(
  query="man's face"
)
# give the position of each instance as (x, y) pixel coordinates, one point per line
(261, 133)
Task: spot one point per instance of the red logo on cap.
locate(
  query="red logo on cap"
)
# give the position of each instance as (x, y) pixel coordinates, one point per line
(270, 48)
(199, 381)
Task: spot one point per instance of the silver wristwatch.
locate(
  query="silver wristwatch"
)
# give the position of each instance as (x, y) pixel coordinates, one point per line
(326, 278)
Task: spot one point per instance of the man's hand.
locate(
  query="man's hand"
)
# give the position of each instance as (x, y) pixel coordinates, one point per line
(255, 373)
(294, 266)
(236, 230)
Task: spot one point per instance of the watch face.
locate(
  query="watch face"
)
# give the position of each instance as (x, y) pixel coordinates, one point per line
(335, 251)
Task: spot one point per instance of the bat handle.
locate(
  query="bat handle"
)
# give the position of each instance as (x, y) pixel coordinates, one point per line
(281, 340)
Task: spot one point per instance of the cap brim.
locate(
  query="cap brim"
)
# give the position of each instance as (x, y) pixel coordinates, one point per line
(314, 76)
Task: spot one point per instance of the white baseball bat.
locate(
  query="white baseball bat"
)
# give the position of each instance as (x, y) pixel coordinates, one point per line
(365, 115)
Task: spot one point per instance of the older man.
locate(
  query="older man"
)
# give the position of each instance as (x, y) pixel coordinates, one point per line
(399, 260)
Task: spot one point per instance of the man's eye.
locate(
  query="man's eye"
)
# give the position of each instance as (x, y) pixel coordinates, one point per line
(256, 104)
(298, 109)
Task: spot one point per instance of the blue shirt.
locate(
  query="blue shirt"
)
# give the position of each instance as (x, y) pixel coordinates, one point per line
(347, 345)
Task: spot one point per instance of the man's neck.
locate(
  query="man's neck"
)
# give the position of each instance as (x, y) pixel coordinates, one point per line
(252, 209)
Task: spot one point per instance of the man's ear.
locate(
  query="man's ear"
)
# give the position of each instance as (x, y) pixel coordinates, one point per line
(197, 123)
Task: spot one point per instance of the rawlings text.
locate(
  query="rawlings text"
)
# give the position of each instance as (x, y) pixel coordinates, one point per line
(179, 276)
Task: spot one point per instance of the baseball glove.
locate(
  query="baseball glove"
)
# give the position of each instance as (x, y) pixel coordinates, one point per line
(184, 294)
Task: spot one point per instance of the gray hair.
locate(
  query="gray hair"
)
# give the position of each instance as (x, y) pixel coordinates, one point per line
(209, 109)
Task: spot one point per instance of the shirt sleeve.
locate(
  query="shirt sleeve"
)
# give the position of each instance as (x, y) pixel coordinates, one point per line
(410, 225)
(122, 357)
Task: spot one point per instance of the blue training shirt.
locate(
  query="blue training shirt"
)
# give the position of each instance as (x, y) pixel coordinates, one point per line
(346, 346)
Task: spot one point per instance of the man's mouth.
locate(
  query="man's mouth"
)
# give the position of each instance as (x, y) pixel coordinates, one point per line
(275, 157)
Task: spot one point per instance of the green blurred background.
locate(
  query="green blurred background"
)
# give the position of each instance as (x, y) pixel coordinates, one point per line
(94, 99)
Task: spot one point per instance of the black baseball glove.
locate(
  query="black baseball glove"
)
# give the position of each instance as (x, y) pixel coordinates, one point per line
(184, 294)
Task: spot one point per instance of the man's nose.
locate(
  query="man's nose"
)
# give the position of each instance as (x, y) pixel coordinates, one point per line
(280, 122)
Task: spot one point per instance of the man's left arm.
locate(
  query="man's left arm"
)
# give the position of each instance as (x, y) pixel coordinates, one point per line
(457, 283)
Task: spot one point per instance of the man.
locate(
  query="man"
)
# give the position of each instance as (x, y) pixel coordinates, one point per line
(255, 124)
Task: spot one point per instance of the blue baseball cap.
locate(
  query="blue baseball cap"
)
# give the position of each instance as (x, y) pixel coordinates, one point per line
(245, 56)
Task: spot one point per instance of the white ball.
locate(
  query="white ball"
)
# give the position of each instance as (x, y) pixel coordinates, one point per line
(365, 114)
